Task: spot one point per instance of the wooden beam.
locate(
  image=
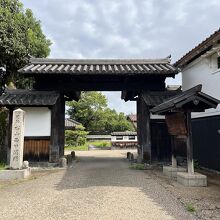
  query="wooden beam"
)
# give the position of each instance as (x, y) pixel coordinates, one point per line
(68, 85)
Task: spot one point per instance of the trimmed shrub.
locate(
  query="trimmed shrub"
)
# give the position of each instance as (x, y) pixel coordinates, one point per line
(76, 137)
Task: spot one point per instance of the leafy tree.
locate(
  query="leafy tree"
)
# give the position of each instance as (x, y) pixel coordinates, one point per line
(21, 36)
(76, 137)
(92, 111)
(88, 110)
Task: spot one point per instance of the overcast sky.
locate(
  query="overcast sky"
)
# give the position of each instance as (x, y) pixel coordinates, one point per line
(125, 29)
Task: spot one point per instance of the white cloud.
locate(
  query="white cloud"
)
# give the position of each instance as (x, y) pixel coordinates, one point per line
(125, 28)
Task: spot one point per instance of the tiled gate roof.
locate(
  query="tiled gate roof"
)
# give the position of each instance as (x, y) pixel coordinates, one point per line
(99, 66)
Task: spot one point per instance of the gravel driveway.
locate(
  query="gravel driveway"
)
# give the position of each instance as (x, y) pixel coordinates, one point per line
(99, 186)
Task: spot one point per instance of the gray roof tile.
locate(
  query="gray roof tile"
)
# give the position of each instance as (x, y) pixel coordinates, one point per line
(28, 98)
(98, 66)
(155, 98)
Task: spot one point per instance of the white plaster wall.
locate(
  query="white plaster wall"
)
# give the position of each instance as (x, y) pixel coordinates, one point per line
(203, 71)
(125, 138)
(37, 121)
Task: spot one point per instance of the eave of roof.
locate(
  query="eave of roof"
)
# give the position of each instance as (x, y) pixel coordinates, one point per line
(28, 98)
(71, 123)
(38, 66)
(189, 96)
(155, 98)
(199, 49)
(125, 133)
(132, 117)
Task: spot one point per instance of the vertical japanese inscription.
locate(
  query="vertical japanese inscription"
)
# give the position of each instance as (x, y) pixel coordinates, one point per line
(17, 141)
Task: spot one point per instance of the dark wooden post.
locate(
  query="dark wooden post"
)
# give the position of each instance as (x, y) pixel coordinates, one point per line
(5, 136)
(145, 131)
(139, 136)
(54, 139)
(57, 130)
(62, 126)
(9, 131)
(190, 166)
(173, 148)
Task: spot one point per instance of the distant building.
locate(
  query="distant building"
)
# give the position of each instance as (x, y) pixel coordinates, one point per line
(98, 136)
(71, 124)
(133, 119)
(124, 139)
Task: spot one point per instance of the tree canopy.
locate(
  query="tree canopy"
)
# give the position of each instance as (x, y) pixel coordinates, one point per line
(21, 36)
(92, 111)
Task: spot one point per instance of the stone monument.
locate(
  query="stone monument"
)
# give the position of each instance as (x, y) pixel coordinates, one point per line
(17, 140)
(18, 168)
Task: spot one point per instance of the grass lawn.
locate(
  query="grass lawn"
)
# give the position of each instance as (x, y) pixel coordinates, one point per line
(85, 147)
(100, 143)
(75, 148)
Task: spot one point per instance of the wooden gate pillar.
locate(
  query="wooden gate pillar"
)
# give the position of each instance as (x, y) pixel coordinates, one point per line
(62, 126)
(139, 136)
(57, 130)
(144, 129)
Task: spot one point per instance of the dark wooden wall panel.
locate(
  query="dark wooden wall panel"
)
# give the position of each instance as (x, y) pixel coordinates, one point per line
(160, 141)
(206, 141)
(36, 149)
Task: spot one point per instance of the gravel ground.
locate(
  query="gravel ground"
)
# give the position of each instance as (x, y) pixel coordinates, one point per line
(205, 200)
(100, 185)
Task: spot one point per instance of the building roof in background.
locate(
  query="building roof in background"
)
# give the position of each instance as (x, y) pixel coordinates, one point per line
(132, 117)
(200, 49)
(125, 133)
(70, 123)
(39, 66)
(192, 99)
(174, 87)
(19, 97)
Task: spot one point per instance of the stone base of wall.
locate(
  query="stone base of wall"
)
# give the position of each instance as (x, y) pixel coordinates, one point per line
(15, 174)
(195, 179)
(172, 172)
(43, 164)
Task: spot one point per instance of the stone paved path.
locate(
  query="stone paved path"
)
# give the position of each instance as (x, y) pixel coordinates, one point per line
(99, 186)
